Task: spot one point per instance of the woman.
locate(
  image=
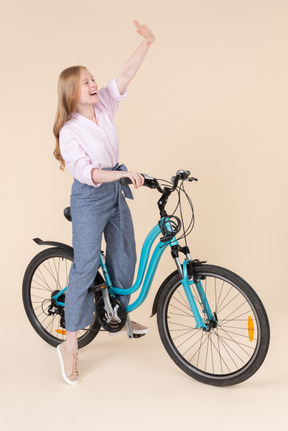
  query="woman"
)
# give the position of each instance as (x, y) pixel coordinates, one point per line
(87, 144)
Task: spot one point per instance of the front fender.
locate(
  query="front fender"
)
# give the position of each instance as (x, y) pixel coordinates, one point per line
(54, 244)
(156, 299)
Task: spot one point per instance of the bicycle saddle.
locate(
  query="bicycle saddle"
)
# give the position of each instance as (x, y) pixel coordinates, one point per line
(67, 213)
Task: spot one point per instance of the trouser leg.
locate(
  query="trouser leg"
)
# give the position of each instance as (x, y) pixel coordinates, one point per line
(87, 228)
(120, 249)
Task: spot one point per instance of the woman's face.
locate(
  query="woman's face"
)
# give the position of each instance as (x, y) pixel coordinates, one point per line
(88, 89)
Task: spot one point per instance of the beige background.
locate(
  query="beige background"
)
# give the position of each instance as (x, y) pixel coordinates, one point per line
(211, 97)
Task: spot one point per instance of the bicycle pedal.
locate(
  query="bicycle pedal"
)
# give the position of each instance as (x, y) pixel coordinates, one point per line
(97, 288)
(138, 335)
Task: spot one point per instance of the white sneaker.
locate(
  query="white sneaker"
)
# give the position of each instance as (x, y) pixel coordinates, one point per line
(69, 365)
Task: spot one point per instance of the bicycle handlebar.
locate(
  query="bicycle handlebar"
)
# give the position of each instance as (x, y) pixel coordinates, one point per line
(152, 182)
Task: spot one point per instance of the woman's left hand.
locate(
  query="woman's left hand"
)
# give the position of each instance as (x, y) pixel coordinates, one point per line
(145, 31)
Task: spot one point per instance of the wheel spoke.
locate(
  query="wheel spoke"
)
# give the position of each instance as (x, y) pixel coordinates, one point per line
(177, 308)
(186, 306)
(41, 280)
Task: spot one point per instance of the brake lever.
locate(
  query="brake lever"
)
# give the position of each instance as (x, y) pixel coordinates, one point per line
(150, 182)
(181, 176)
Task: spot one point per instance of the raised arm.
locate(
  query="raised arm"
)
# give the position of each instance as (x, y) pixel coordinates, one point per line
(130, 68)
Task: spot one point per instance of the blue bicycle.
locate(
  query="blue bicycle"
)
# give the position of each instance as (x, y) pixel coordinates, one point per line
(211, 322)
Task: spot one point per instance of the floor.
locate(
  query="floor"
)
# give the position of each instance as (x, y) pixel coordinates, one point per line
(132, 385)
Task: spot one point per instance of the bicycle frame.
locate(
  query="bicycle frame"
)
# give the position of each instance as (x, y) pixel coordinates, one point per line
(152, 267)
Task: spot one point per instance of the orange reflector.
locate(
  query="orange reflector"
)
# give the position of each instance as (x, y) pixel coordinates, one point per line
(61, 331)
(250, 328)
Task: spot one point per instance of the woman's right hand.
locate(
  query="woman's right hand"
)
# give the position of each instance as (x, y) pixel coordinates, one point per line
(136, 178)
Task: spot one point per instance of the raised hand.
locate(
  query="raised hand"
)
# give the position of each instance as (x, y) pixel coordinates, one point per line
(145, 31)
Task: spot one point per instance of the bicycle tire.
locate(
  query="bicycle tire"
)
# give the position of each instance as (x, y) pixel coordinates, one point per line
(228, 354)
(47, 272)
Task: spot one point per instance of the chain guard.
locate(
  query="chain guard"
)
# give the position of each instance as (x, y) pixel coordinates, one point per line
(102, 315)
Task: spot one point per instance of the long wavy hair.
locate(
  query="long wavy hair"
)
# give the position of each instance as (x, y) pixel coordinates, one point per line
(68, 97)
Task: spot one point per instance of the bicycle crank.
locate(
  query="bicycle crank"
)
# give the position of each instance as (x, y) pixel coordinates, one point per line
(117, 322)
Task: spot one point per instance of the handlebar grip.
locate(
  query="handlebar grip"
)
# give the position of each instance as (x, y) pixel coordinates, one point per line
(124, 181)
(150, 182)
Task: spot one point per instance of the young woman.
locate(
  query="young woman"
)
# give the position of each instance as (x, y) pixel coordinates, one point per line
(87, 144)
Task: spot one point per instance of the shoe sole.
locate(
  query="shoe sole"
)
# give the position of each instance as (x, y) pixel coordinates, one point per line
(139, 332)
(62, 369)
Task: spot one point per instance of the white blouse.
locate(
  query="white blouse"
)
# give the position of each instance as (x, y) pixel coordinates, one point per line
(84, 145)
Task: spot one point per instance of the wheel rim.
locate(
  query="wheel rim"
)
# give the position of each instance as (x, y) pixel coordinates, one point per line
(51, 275)
(225, 350)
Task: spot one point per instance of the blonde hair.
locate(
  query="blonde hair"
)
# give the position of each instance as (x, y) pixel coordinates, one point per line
(68, 97)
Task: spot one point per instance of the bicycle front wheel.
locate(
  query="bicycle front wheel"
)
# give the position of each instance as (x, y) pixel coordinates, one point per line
(47, 274)
(233, 350)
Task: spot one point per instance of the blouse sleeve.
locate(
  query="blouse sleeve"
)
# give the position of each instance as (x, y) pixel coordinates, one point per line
(76, 160)
(110, 97)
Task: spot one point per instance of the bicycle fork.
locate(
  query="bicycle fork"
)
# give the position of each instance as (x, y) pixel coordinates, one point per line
(211, 320)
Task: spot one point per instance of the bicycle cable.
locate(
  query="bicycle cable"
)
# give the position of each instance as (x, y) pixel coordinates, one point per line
(191, 224)
(180, 189)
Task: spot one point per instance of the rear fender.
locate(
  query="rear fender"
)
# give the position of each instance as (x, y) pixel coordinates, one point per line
(54, 244)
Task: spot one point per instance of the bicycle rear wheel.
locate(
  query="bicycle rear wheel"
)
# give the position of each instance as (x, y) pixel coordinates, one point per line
(228, 353)
(46, 274)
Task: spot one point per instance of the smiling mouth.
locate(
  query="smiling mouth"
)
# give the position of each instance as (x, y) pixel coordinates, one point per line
(93, 93)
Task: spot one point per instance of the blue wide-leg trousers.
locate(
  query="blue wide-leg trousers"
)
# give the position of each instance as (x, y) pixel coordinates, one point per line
(98, 210)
